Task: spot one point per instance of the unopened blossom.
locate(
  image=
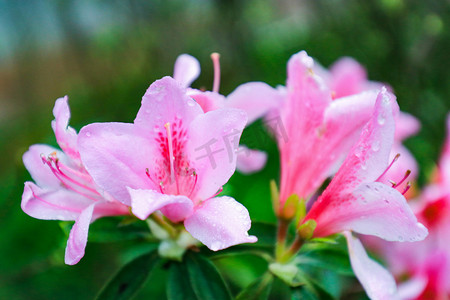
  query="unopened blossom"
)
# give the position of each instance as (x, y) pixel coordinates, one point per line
(173, 158)
(63, 189)
(255, 98)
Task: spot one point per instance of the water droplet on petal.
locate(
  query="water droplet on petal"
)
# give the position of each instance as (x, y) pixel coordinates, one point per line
(376, 146)
(400, 238)
(381, 119)
(88, 134)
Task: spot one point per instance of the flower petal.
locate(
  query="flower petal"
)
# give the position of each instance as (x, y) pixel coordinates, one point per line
(116, 156)
(214, 139)
(250, 161)
(375, 279)
(219, 223)
(76, 243)
(405, 126)
(186, 70)
(348, 77)
(207, 100)
(39, 171)
(255, 98)
(65, 135)
(146, 202)
(47, 204)
(165, 101)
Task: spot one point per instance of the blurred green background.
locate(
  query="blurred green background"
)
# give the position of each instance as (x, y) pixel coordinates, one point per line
(104, 54)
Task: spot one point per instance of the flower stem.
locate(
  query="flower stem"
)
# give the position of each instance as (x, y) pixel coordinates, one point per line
(164, 224)
(283, 226)
(292, 251)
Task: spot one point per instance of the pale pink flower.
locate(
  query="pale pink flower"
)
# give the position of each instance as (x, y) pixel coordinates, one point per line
(255, 98)
(64, 190)
(174, 158)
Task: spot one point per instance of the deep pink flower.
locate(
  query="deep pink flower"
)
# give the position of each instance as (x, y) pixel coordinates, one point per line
(64, 190)
(174, 158)
(355, 200)
(255, 98)
(319, 132)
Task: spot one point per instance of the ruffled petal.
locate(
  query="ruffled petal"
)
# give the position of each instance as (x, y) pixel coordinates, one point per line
(214, 139)
(165, 101)
(116, 156)
(255, 98)
(146, 202)
(375, 279)
(219, 223)
(76, 243)
(57, 204)
(250, 161)
(65, 135)
(186, 69)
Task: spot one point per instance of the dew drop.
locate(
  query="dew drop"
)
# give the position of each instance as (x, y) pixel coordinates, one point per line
(381, 119)
(88, 134)
(400, 238)
(386, 201)
(376, 146)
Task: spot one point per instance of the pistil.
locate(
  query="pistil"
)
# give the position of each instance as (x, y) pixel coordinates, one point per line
(173, 177)
(215, 58)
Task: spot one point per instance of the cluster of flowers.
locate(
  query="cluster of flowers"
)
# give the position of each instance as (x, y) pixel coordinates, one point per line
(170, 164)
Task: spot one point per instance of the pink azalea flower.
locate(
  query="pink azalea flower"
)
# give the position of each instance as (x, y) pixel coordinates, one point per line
(355, 199)
(64, 190)
(255, 98)
(319, 132)
(174, 158)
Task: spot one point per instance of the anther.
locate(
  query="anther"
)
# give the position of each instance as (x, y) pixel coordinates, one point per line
(408, 185)
(407, 173)
(215, 58)
(390, 165)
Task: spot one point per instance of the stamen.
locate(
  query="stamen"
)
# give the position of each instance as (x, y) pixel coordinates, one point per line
(195, 183)
(215, 58)
(390, 165)
(218, 192)
(171, 157)
(408, 185)
(403, 179)
(52, 162)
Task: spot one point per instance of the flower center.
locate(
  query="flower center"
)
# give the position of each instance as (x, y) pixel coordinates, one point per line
(173, 172)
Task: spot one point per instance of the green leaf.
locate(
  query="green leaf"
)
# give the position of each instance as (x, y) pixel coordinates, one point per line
(258, 289)
(310, 290)
(130, 278)
(178, 284)
(331, 259)
(289, 273)
(205, 279)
